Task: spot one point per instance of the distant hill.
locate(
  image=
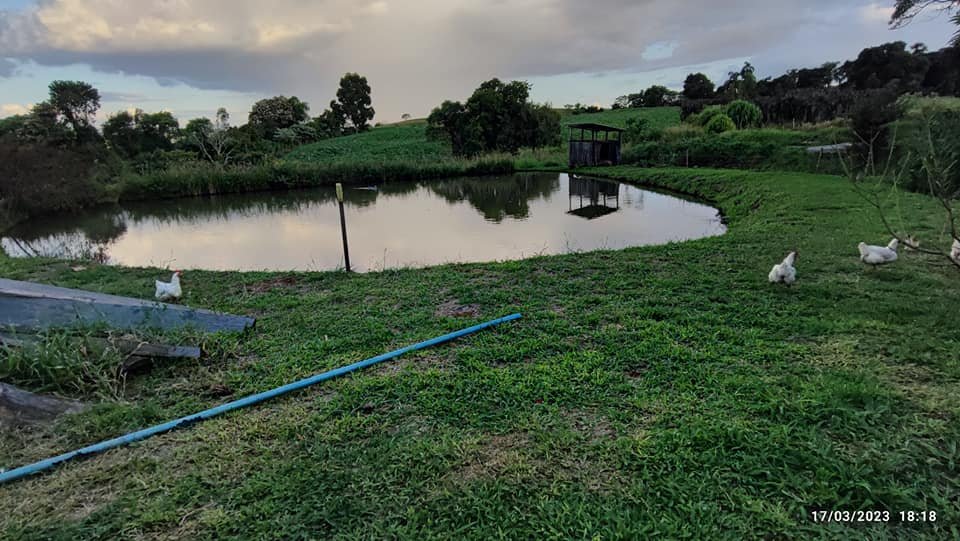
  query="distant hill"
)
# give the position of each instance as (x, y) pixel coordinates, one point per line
(407, 140)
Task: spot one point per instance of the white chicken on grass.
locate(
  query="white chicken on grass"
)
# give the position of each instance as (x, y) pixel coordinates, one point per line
(878, 255)
(955, 251)
(784, 272)
(169, 291)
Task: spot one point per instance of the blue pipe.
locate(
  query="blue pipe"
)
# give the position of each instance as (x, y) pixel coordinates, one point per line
(241, 403)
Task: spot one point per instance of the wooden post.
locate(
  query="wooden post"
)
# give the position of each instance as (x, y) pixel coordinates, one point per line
(343, 227)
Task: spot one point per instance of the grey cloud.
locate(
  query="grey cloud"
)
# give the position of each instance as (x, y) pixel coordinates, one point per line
(7, 67)
(422, 51)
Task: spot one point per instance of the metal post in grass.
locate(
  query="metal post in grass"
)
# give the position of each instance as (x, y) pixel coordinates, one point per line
(343, 227)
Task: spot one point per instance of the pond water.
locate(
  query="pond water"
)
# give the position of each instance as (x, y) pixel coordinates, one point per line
(396, 224)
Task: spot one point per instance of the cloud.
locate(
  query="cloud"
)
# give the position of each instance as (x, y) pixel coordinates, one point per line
(11, 109)
(419, 52)
(7, 67)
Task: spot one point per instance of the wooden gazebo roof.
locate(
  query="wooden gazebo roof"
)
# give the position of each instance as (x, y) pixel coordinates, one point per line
(595, 127)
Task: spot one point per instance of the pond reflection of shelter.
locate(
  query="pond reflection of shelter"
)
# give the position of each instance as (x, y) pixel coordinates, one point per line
(594, 198)
(594, 144)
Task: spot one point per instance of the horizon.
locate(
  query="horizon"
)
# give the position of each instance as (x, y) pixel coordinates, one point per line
(190, 58)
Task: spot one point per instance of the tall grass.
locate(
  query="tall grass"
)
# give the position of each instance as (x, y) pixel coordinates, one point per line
(204, 179)
(73, 365)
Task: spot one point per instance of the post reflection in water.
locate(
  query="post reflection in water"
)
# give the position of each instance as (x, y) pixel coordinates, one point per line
(394, 224)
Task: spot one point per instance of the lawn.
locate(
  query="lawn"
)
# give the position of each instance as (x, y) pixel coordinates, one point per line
(659, 392)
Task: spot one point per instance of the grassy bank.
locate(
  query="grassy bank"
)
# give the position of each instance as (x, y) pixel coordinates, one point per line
(203, 179)
(662, 392)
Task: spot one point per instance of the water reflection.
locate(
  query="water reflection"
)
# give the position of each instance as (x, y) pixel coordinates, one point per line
(390, 225)
(602, 197)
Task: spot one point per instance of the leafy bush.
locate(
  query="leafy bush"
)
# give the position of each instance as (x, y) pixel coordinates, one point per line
(682, 132)
(719, 124)
(640, 129)
(747, 149)
(705, 116)
(744, 114)
(37, 178)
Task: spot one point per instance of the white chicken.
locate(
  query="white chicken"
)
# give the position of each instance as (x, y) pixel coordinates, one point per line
(784, 272)
(955, 251)
(169, 291)
(878, 255)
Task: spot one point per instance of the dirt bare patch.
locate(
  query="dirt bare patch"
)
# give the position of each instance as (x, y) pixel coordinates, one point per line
(496, 455)
(590, 424)
(416, 363)
(453, 308)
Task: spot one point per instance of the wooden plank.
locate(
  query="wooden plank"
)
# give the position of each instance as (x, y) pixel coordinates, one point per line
(22, 407)
(34, 313)
(140, 310)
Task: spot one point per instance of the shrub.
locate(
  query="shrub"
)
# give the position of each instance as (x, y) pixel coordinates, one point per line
(719, 124)
(37, 178)
(705, 116)
(682, 132)
(744, 114)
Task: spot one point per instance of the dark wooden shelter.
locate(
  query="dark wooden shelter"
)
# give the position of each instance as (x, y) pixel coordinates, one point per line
(594, 144)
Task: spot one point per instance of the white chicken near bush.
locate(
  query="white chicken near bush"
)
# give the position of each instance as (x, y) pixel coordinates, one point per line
(955, 251)
(785, 272)
(878, 255)
(169, 291)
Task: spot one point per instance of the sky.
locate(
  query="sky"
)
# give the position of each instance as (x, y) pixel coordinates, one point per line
(192, 56)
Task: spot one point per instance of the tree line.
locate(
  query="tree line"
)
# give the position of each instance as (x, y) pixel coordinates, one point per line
(54, 158)
(66, 118)
(816, 94)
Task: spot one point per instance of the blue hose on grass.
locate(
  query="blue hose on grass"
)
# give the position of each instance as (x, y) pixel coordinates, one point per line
(241, 403)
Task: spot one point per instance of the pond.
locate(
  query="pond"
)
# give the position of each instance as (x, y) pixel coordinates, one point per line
(396, 224)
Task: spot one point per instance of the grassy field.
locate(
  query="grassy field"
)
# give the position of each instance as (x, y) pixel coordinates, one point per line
(407, 141)
(659, 117)
(661, 392)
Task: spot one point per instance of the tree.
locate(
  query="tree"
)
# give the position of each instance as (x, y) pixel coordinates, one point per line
(271, 114)
(887, 64)
(697, 86)
(354, 97)
(905, 10)
(77, 103)
(659, 96)
(820, 77)
(330, 123)
(214, 141)
(120, 133)
(496, 117)
(158, 131)
(740, 84)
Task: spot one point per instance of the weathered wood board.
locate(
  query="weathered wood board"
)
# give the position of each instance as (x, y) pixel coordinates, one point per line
(19, 407)
(27, 306)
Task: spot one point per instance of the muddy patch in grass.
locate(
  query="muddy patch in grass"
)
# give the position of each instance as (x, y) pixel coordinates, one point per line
(453, 308)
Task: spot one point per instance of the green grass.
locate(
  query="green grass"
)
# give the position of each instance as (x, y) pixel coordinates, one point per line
(659, 117)
(664, 392)
(406, 141)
